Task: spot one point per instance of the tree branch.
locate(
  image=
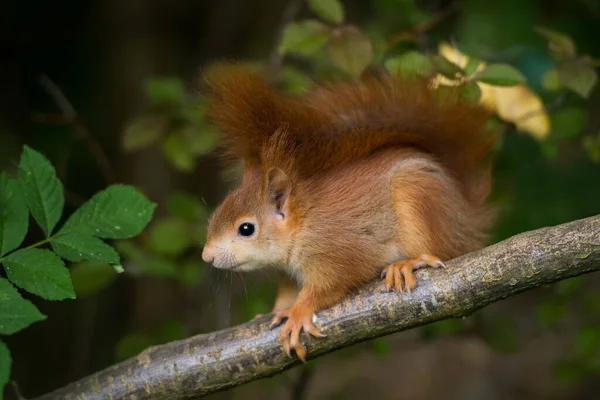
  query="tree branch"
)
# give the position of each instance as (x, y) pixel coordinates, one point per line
(211, 362)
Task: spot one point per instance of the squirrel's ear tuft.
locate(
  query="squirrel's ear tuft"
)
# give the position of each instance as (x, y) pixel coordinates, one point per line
(277, 189)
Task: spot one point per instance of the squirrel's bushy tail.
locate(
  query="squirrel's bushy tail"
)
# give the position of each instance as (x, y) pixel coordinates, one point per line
(333, 125)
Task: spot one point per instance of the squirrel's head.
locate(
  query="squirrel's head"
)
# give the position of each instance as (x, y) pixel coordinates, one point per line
(251, 227)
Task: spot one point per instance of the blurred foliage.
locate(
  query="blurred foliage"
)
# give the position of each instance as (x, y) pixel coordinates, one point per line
(324, 48)
(536, 73)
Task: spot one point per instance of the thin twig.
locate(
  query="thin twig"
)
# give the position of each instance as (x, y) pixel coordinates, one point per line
(81, 132)
(417, 32)
(289, 13)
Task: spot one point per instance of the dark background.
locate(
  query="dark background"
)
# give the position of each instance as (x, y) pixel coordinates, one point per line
(101, 53)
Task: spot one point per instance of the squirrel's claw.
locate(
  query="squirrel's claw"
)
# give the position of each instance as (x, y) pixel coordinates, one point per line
(400, 275)
(289, 336)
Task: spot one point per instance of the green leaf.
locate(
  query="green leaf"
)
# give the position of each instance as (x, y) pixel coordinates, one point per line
(330, 10)
(200, 141)
(551, 81)
(470, 91)
(170, 236)
(90, 277)
(16, 313)
(471, 66)
(14, 216)
(568, 123)
(445, 67)
(295, 81)
(178, 152)
(132, 344)
(118, 212)
(304, 37)
(40, 272)
(559, 43)
(165, 90)
(75, 247)
(500, 75)
(350, 50)
(186, 206)
(410, 64)
(5, 364)
(42, 189)
(143, 131)
(578, 75)
(118, 269)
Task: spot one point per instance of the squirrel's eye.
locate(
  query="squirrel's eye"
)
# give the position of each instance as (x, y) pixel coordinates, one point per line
(246, 229)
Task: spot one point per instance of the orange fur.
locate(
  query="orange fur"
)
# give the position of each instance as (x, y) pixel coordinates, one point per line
(346, 181)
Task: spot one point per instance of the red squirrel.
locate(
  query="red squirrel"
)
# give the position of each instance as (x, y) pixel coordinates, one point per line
(346, 183)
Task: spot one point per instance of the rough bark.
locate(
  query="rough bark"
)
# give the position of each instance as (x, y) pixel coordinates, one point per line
(211, 362)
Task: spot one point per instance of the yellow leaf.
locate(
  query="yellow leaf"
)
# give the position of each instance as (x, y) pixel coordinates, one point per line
(522, 107)
(517, 104)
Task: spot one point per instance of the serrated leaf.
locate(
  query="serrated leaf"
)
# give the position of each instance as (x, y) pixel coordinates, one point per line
(90, 277)
(350, 50)
(76, 247)
(559, 43)
(42, 189)
(329, 10)
(500, 75)
(143, 131)
(410, 64)
(118, 212)
(165, 90)
(16, 313)
(178, 152)
(579, 76)
(5, 364)
(39, 272)
(169, 236)
(304, 37)
(14, 215)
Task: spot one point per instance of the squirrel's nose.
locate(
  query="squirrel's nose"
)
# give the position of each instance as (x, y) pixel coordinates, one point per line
(207, 255)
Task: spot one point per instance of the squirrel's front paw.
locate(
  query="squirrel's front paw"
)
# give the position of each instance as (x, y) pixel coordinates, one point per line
(400, 276)
(298, 319)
